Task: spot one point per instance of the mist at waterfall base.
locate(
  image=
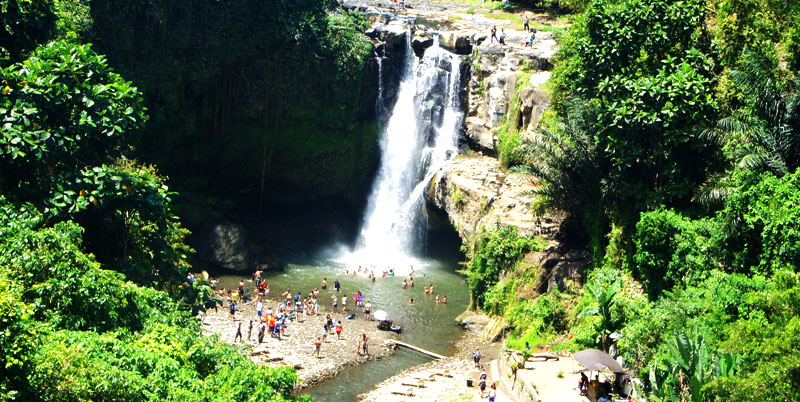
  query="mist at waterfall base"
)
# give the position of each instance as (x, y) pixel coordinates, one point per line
(420, 136)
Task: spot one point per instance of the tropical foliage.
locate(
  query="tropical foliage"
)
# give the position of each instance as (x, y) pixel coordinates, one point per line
(92, 259)
(675, 144)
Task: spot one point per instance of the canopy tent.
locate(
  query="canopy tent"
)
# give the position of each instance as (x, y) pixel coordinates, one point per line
(381, 315)
(597, 360)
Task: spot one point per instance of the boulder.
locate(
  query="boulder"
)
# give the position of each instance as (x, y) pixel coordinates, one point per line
(224, 244)
(533, 102)
(472, 321)
(501, 87)
(491, 49)
(479, 137)
(421, 41)
(458, 43)
(494, 329)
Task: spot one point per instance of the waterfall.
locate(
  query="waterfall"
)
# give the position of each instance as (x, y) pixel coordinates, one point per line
(420, 135)
(379, 100)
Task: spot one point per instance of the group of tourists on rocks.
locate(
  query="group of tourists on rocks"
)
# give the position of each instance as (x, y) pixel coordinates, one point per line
(526, 26)
(292, 307)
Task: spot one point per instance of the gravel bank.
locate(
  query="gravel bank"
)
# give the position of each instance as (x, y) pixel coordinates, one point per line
(296, 347)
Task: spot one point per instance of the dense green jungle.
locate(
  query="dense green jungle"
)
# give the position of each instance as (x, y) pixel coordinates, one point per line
(673, 145)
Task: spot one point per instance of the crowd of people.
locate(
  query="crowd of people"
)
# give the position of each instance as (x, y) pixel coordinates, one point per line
(272, 319)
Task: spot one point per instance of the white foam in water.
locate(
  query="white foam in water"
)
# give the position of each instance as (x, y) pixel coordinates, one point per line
(421, 135)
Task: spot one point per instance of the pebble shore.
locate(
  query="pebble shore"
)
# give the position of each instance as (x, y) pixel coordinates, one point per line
(296, 347)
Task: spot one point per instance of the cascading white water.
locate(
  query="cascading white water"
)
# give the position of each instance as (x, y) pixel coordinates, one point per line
(379, 100)
(421, 134)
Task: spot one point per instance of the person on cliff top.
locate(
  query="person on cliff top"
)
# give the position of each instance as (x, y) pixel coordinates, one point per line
(529, 43)
(526, 24)
(494, 34)
(502, 40)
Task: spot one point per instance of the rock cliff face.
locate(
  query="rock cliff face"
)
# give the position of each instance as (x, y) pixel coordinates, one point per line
(224, 244)
(475, 192)
(495, 79)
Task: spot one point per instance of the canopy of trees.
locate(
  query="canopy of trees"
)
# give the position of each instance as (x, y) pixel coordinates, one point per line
(93, 260)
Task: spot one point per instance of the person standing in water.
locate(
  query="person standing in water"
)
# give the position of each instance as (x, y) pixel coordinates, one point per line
(344, 303)
(367, 310)
(337, 286)
(324, 283)
(335, 304)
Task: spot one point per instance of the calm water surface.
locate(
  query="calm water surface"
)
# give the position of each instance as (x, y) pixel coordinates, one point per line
(426, 324)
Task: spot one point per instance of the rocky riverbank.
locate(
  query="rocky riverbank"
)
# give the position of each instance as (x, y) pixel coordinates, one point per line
(296, 347)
